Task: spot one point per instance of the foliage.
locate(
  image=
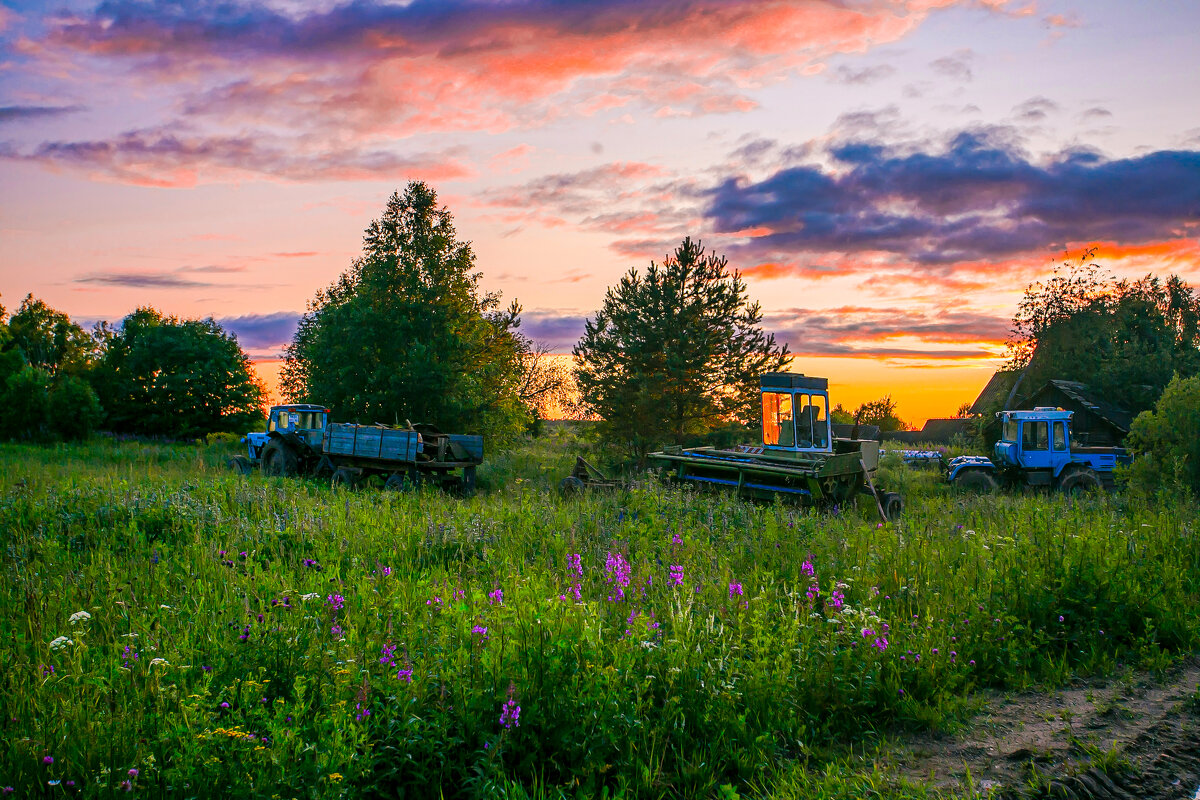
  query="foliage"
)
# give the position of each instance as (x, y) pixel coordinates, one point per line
(162, 376)
(1125, 339)
(26, 403)
(1166, 440)
(841, 416)
(675, 352)
(49, 339)
(406, 334)
(881, 412)
(168, 624)
(74, 408)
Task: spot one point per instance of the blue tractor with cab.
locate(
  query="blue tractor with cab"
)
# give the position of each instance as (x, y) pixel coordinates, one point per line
(1035, 449)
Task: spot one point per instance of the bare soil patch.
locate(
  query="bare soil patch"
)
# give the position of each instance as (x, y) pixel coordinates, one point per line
(1122, 739)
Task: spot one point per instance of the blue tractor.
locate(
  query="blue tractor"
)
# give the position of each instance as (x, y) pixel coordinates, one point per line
(1035, 449)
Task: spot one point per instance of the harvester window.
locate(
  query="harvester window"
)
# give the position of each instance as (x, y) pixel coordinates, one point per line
(1009, 433)
(281, 420)
(778, 427)
(1034, 436)
(811, 427)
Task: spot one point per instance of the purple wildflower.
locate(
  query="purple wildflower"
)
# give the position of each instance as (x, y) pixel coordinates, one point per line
(619, 573)
(133, 773)
(510, 714)
(336, 631)
(404, 675)
(386, 571)
(807, 568)
(735, 590)
(677, 574)
(336, 601)
(836, 599)
(496, 597)
(48, 760)
(481, 630)
(387, 655)
(575, 564)
(362, 714)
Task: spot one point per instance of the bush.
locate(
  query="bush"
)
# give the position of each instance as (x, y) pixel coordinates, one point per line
(1166, 441)
(26, 400)
(74, 408)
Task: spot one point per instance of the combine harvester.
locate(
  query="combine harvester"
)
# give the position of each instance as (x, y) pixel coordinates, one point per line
(799, 460)
(299, 440)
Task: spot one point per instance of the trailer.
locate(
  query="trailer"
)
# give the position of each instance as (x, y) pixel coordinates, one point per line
(299, 440)
(799, 459)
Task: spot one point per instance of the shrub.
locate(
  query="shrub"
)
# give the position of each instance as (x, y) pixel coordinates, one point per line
(1166, 440)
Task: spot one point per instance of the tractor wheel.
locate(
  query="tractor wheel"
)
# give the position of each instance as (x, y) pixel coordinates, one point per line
(240, 464)
(279, 460)
(892, 505)
(976, 480)
(1080, 481)
(400, 482)
(344, 478)
(571, 485)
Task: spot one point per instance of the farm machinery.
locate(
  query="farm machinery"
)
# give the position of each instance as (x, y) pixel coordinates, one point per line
(300, 440)
(1035, 449)
(799, 460)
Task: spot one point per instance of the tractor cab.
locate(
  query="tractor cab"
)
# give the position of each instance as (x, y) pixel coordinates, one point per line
(1034, 440)
(795, 413)
(303, 421)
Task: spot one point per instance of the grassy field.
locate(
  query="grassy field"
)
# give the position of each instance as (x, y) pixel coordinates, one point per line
(172, 629)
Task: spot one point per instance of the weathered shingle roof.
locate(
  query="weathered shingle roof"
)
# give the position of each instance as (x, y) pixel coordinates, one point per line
(1084, 395)
(995, 392)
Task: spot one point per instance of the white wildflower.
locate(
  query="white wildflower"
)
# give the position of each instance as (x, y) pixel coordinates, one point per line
(60, 643)
(160, 662)
(312, 596)
(78, 617)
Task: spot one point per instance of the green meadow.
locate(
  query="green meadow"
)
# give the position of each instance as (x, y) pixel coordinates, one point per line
(172, 629)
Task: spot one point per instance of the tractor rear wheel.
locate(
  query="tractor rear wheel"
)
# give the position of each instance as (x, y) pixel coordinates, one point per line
(400, 482)
(279, 460)
(571, 485)
(976, 480)
(1080, 481)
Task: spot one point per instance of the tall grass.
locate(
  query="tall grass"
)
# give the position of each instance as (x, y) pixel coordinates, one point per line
(252, 637)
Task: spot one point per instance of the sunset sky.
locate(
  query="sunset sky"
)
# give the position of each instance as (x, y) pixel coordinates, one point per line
(888, 175)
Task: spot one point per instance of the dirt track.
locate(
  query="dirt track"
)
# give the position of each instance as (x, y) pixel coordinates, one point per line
(1122, 740)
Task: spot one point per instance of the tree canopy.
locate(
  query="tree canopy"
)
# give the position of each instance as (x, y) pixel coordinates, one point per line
(675, 352)
(49, 339)
(1126, 339)
(162, 376)
(406, 333)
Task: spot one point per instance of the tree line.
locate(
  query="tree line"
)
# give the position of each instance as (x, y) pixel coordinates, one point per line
(406, 333)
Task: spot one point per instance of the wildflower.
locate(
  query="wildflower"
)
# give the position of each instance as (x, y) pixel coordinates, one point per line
(676, 540)
(496, 597)
(310, 596)
(126, 786)
(1060, 618)
(575, 564)
(242, 554)
(619, 573)
(836, 599)
(336, 631)
(48, 760)
(362, 714)
(481, 630)
(808, 569)
(159, 662)
(78, 617)
(510, 714)
(386, 571)
(387, 655)
(404, 675)
(735, 589)
(206, 668)
(867, 632)
(336, 601)
(311, 564)
(133, 773)
(935, 651)
(224, 705)
(814, 589)
(60, 643)
(677, 574)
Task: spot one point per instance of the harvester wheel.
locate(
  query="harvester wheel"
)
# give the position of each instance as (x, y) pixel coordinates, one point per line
(1080, 481)
(892, 505)
(240, 464)
(571, 485)
(279, 460)
(976, 480)
(344, 478)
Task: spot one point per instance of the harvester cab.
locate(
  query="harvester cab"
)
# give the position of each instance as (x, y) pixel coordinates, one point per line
(795, 413)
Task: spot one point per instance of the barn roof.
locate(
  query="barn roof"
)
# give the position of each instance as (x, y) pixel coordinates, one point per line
(1085, 396)
(995, 392)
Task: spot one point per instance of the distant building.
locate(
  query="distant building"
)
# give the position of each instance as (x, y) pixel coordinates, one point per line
(936, 431)
(848, 430)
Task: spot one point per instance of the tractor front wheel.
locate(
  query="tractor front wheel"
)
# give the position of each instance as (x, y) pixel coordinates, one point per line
(976, 480)
(279, 460)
